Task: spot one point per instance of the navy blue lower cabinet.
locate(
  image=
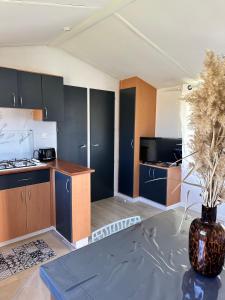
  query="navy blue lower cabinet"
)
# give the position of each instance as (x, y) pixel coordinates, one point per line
(63, 197)
(151, 185)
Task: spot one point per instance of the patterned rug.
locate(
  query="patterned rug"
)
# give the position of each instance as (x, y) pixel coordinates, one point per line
(24, 257)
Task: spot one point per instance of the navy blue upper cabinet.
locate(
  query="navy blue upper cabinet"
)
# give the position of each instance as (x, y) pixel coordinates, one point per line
(29, 90)
(53, 98)
(22, 89)
(8, 88)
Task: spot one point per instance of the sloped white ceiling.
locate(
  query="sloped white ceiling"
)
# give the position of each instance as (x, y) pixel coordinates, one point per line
(37, 22)
(161, 41)
(116, 50)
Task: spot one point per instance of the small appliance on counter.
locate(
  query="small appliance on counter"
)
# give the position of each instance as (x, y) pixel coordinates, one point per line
(45, 154)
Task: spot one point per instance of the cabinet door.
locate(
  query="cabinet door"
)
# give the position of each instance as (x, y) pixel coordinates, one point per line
(153, 183)
(8, 88)
(72, 132)
(102, 143)
(53, 98)
(38, 206)
(63, 198)
(126, 143)
(30, 90)
(13, 211)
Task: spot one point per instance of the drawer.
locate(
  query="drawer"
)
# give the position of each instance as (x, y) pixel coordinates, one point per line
(22, 179)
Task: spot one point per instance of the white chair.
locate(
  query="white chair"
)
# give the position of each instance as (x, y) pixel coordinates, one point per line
(114, 227)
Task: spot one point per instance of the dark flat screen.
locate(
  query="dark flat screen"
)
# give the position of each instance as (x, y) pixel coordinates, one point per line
(156, 149)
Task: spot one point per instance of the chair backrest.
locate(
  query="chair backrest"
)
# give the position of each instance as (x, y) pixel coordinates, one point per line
(114, 227)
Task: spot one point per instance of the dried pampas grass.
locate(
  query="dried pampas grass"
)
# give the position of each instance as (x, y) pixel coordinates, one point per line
(207, 120)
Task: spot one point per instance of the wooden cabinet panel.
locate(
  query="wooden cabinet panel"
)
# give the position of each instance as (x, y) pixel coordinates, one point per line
(13, 222)
(38, 206)
(8, 88)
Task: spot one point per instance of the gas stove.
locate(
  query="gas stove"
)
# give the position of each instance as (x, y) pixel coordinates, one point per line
(19, 163)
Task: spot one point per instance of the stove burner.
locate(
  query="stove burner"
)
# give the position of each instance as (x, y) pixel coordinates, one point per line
(5, 165)
(17, 163)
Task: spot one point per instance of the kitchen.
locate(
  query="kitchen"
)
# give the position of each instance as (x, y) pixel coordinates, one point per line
(90, 145)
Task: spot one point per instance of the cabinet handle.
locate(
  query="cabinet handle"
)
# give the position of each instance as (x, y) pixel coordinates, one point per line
(21, 101)
(46, 112)
(132, 144)
(153, 174)
(24, 179)
(14, 99)
(149, 172)
(83, 146)
(67, 182)
(29, 195)
(95, 145)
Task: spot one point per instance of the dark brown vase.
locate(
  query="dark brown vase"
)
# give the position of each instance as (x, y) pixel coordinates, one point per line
(207, 243)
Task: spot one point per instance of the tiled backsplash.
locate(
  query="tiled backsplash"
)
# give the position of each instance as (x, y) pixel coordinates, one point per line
(14, 122)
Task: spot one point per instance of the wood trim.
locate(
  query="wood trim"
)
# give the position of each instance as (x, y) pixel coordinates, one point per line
(52, 202)
(81, 207)
(128, 83)
(145, 118)
(173, 182)
(37, 114)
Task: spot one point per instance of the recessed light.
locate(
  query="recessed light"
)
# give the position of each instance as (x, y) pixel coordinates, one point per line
(66, 28)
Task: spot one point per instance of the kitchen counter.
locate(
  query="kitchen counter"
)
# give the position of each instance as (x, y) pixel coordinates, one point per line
(68, 168)
(146, 261)
(62, 166)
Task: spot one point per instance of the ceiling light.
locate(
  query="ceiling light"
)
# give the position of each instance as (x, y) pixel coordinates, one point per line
(67, 28)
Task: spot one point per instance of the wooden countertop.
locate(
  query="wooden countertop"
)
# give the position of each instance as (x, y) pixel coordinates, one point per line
(68, 168)
(65, 167)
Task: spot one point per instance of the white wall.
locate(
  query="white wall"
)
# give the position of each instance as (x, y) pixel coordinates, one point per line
(50, 60)
(168, 119)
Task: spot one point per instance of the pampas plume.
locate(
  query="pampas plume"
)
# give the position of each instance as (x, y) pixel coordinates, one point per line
(207, 120)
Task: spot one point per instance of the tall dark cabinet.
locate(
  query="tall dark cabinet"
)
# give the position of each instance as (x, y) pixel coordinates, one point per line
(72, 132)
(126, 144)
(137, 119)
(102, 106)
